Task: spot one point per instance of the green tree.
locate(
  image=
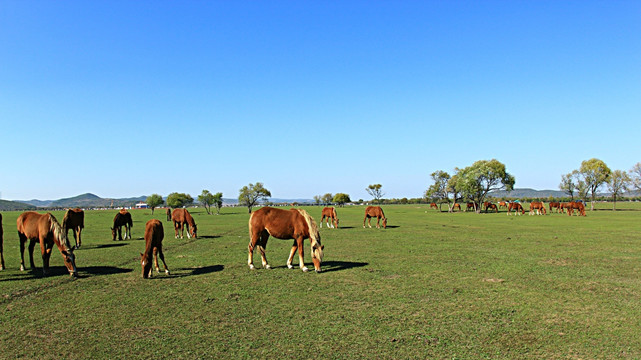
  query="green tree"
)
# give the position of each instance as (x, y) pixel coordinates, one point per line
(218, 202)
(153, 201)
(618, 182)
(635, 175)
(594, 173)
(206, 198)
(438, 192)
(341, 199)
(327, 198)
(567, 184)
(483, 176)
(375, 191)
(178, 200)
(317, 199)
(251, 194)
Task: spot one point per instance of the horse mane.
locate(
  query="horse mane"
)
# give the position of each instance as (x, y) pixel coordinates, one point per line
(58, 232)
(314, 234)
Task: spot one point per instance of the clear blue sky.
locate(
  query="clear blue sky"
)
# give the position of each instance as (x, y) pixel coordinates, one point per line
(129, 98)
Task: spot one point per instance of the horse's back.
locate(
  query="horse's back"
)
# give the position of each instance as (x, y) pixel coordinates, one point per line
(154, 231)
(178, 215)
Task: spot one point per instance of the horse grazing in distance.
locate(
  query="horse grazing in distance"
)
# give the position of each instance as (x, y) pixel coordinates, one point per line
(122, 218)
(556, 206)
(1, 241)
(168, 214)
(502, 204)
(46, 230)
(329, 213)
(282, 224)
(517, 207)
(456, 206)
(471, 205)
(537, 206)
(154, 233)
(182, 217)
(578, 205)
(377, 212)
(74, 219)
(491, 206)
(433, 206)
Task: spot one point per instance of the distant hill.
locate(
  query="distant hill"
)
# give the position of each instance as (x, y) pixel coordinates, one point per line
(6, 205)
(527, 193)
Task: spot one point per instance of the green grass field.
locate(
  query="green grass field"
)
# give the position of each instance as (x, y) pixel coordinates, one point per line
(431, 285)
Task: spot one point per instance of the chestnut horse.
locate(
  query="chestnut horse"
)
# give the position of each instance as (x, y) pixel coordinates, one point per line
(490, 206)
(502, 204)
(44, 228)
(74, 219)
(377, 212)
(294, 224)
(168, 214)
(122, 218)
(1, 240)
(537, 206)
(154, 233)
(329, 213)
(516, 207)
(433, 206)
(556, 206)
(182, 217)
(471, 205)
(578, 205)
(456, 206)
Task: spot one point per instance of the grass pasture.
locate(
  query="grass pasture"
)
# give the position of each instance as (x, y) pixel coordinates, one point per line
(431, 285)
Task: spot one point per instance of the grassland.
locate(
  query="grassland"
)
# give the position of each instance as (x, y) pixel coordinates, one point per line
(431, 285)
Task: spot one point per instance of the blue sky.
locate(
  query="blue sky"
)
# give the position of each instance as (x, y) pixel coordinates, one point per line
(129, 98)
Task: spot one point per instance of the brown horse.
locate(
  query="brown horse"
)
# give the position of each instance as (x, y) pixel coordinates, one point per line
(377, 212)
(46, 230)
(294, 224)
(182, 217)
(154, 233)
(1, 241)
(471, 205)
(502, 204)
(433, 206)
(537, 206)
(491, 206)
(456, 206)
(74, 219)
(329, 213)
(556, 206)
(578, 205)
(168, 214)
(517, 207)
(122, 218)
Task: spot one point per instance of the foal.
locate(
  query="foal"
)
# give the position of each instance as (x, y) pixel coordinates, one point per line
(154, 234)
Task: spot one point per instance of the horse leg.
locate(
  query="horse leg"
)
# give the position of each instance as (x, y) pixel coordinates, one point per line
(120, 233)
(321, 222)
(291, 255)
(378, 222)
(45, 248)
(23, 240)
(299, 243)
(188, 231)
(79, 241)
(32, 245)
(162, 257)
(253, 240)
(365, 218)
(262, 244)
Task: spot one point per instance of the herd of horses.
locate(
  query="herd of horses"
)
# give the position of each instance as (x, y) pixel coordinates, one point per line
(536, 207)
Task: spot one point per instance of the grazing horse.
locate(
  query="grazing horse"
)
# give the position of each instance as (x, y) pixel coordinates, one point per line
(74, 219)
(1, 240)
(456, 206)
(516, 207)
(182, 217)
(329, 213)
(556, 206)
(168, 214)
(377, 212)
(491, 206)
(433, 206)
(282, 224)
(471, 205)
(122, 218)
(578, 205)
(502, 204)
(537, 206)
(44, 228)
(154, 233)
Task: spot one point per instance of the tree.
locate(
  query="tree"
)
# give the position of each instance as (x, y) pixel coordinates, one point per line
(618, 182)
(327, 198)
(341, 199)
(594, 173)
(249, 195)
(567, 184)
(375, 191)
(207, 199)
(178, 200)
(317, 199)
(438, 191)
(153, 201)
(483, 176)
(218, 202)
(635, 175)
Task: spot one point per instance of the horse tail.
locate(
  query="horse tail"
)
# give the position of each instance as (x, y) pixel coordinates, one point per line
(314, 234)
(59, 234)
(66, 219)
(250, 230)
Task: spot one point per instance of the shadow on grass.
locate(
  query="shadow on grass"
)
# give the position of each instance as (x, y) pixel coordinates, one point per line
(329, 266)
(392, 226)
(102, 246)
(208, 237)
(184, 272)
(56, 271)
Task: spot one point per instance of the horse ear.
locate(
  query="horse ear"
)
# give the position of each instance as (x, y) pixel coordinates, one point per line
(322, 247)
(141, 255)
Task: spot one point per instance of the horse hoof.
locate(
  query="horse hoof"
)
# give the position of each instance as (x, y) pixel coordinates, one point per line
(251, 267)
(167, 272)
(268, 267)
(318, 271)
(21, 268)
(290, 266)
(305, 269)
